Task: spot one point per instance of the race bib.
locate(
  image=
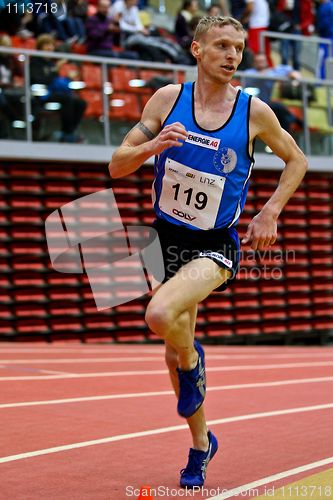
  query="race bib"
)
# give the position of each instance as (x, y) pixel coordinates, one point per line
(191, 196)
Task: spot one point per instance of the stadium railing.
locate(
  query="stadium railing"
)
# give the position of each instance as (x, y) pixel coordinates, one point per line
(116, 91)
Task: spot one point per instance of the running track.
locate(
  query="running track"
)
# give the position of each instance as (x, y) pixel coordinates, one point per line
(87, 421)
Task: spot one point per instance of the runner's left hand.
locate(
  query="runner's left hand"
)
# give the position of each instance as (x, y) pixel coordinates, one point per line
(261, 232)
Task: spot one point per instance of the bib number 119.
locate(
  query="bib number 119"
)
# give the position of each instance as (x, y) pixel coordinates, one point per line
(200, 200)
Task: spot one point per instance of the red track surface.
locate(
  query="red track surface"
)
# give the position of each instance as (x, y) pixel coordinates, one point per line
(250, 449)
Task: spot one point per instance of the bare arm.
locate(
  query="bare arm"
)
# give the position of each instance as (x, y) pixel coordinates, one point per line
(147, 139)
(262, 230)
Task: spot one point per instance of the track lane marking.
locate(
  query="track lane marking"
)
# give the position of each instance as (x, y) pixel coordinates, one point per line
(316, 486)
(269, 479)
(225, 354)
(82, 360)
(164, 371)
(165, 393)
(162, 430)
(144, 359)
(55, 372)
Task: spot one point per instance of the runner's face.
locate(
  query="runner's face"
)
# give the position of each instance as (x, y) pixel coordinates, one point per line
(219, 52)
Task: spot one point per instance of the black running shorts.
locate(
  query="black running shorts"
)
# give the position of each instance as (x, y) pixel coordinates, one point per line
(181, 245)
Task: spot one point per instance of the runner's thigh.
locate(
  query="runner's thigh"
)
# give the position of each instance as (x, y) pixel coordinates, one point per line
(191, 284)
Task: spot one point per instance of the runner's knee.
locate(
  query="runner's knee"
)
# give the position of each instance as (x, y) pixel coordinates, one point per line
(159, 319)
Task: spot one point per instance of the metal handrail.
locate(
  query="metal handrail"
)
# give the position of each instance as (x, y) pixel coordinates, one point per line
(174, 68)
(290, 36)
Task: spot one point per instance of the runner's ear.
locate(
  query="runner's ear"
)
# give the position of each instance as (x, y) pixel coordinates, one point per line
(196, 49)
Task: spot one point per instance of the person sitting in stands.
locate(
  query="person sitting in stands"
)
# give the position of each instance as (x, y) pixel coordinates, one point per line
(125, 14)
(265, 88)
(183, 31)
(100, 30)
(10, 96)
(45, 71)
(51, 16)
(78, 13)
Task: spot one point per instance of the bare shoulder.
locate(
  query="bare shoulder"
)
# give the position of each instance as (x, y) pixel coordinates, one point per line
(171, 90)
(259, 109)
(262, 118)
(163, 100)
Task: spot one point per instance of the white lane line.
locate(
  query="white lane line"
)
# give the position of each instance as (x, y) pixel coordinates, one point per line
(105, 349)
(126, 359)
(250, 487)
(55, 373)
(86, 375)
(162, 430)
(166, 393)
(163, 372)
(81, 360)
(225, 352)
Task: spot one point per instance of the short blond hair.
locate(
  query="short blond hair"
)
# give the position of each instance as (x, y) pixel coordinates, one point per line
(44, 39)
(208, 22)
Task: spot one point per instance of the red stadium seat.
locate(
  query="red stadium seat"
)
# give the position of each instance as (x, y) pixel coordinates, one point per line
(23, 43)
(120, 79)
(92, 75)
(94, 103)
(124, 107)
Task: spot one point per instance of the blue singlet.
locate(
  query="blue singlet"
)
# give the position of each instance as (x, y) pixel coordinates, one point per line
(203, 184)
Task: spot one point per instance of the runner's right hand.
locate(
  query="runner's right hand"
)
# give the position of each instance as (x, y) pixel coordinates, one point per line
(171, 135)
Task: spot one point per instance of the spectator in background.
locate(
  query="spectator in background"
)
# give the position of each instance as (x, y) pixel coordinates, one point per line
(137, 38)
(125, 14)
(307, 17)
(291, 10)
(100, 30)
(257, 16)
(78, 9)
(325, 30)
(238, 11)
(10, 97)
(45, 71)
(51, 16)
(78, 13)
(183, 31)
(264, 88)
(215, 10)
(220, 8)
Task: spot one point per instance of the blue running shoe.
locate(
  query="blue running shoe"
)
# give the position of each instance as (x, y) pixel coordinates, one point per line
(194, 473)
(192, 386)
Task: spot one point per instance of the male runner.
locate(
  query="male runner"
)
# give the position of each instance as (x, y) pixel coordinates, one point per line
(202, 135)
